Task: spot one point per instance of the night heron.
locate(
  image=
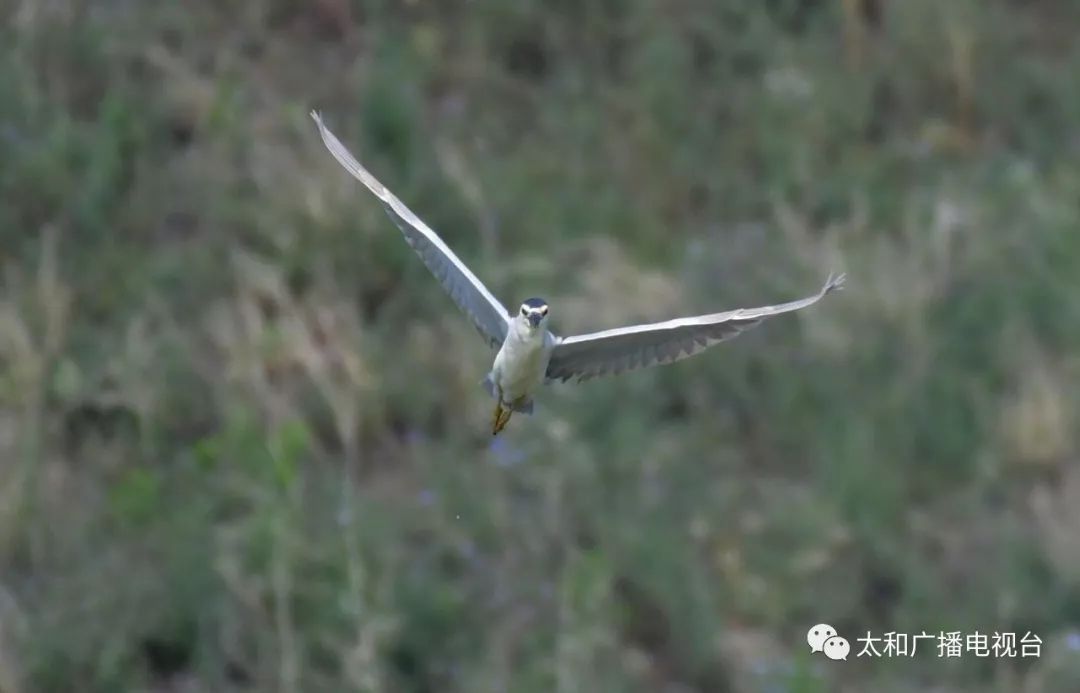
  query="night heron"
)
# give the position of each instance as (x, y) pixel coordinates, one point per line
(529, 354)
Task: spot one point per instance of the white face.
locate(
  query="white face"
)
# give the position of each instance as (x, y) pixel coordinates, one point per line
(532, 316)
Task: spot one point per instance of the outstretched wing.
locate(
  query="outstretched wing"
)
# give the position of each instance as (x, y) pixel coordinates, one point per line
(488, 315)
(628, 348)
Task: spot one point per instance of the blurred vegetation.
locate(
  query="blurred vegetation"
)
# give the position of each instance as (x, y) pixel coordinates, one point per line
(242, 441)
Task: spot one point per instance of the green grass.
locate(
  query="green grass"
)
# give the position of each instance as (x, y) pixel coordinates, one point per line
(242, 440)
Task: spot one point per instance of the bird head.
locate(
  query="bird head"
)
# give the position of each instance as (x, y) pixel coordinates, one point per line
(533, 312)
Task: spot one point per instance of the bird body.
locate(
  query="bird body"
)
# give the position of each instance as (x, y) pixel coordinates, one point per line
(520, 365)
(529, 355)
(521, 362)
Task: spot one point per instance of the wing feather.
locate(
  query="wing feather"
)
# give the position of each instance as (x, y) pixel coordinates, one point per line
(611, 352)
(487, 314)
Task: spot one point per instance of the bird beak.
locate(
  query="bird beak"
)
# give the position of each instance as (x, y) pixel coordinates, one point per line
(535, 318)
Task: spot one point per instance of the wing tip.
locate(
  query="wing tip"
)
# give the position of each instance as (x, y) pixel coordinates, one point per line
(324, 132)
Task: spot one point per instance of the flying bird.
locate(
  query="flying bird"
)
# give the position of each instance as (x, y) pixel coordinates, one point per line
(529, 355)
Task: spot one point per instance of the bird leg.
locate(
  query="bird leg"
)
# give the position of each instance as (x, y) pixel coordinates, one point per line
(496, 417)
(501, 418)
(502, 414)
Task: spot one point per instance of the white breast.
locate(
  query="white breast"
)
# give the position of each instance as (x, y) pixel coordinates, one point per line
(519, 366)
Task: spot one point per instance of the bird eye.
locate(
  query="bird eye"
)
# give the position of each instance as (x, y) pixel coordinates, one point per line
(524, 310)
(544, 310)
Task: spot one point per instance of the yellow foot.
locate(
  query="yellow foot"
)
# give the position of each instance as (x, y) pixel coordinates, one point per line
(501, 418)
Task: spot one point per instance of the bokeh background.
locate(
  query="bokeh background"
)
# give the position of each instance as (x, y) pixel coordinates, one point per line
(242, 442)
